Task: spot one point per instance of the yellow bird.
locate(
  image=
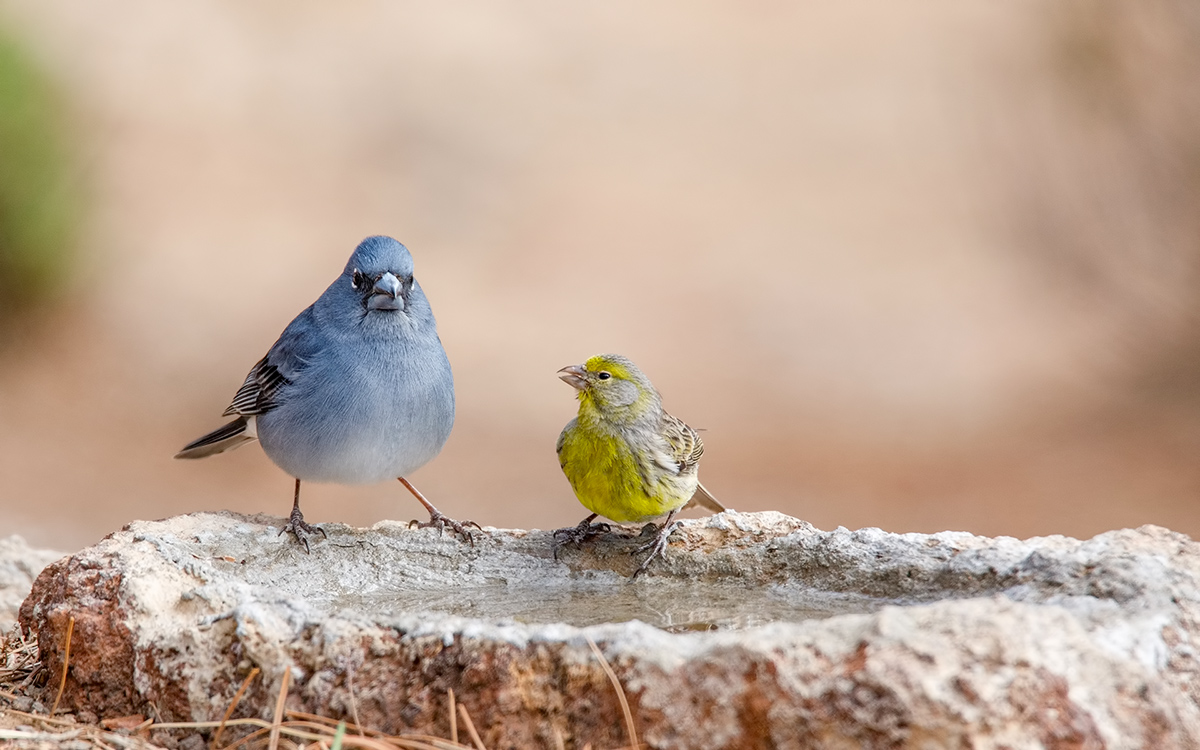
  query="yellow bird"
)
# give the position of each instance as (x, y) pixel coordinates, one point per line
(626, 458)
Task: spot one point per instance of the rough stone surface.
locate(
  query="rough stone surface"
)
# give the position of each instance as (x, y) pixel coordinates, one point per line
(19, 565)
(838, 639)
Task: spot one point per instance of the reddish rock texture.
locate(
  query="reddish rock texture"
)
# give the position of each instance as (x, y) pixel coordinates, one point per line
(102, 653)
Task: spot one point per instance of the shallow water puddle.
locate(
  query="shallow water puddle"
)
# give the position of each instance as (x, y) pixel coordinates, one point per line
(671, 606)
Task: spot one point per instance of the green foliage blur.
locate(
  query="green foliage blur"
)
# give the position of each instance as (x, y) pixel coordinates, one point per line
(37, 200)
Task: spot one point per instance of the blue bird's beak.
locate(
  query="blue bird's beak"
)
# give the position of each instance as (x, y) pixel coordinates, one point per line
(386, 295)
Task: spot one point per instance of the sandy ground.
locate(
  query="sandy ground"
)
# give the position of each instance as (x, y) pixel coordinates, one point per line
(793, 216)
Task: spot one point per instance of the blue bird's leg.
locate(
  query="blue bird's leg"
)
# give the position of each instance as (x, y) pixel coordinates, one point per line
(657, 545)
(578, 534)
(437, 519)
(296, 524)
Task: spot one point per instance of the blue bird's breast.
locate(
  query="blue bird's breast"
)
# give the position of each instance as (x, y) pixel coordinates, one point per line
(370, 412)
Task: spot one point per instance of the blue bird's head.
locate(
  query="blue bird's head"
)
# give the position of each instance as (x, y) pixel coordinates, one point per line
(380, 271)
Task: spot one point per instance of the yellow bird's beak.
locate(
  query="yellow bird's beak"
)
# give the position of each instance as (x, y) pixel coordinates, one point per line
(574, 376)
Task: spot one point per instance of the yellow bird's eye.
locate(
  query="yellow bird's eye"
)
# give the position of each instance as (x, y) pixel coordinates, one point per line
(604, 375)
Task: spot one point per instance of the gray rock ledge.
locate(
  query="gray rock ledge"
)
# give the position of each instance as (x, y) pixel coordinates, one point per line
(767, 633)
(19, 565)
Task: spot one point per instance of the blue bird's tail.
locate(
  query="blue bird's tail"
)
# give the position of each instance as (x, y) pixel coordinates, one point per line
(227, 437)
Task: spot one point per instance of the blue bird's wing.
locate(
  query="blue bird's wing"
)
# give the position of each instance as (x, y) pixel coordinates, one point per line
(276, 371)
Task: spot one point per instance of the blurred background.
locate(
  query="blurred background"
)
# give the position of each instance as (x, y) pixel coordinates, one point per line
(920, 266)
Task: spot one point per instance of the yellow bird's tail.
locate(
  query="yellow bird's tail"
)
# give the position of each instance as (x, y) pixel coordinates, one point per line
(704, 499)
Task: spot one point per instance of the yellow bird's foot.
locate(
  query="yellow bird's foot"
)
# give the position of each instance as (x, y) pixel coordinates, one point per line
(300, 529)
(579, 534)
(438, 520)
(657, 545)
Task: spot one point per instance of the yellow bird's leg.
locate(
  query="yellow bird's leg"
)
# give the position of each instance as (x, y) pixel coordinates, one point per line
(296, 524)
(578, 534)
(658, 544)
(437, 519)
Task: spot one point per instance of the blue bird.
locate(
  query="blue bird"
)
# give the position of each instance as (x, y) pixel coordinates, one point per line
(356, 390)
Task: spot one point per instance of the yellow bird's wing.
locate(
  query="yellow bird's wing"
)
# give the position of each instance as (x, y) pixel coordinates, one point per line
(687, 448)
(686, 445)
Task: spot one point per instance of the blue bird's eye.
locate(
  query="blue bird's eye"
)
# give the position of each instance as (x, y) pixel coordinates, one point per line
(358, 279)
(604, 375)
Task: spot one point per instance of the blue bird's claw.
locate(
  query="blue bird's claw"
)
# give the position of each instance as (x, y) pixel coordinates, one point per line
(300, 529)
(438, 520)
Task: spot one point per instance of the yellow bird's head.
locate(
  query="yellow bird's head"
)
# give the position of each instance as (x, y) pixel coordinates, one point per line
(613, 387)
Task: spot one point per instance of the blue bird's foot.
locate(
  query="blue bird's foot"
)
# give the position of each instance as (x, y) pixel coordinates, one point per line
(437, 519)
(579, 534)
(440, 521)
(300, 529)
(657, 545)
